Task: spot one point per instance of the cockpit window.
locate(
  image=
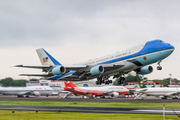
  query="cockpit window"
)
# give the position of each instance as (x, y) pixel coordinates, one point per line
(159, 41)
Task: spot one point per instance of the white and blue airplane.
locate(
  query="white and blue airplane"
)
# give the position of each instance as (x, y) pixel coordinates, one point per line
(137, 58)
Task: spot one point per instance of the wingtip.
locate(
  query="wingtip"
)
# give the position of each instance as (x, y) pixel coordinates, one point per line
(18, 66)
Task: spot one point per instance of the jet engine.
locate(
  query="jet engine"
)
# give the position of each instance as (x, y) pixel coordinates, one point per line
(145, 70)
(114, 94)
(58, 70)
(36, 93)
(97, 70)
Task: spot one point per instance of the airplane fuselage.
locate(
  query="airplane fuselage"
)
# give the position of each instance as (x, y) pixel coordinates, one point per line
(42, 90)
(131, 59)
(164, 91)
(97, 90)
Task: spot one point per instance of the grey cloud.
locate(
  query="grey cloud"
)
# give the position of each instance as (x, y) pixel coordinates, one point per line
(47, 22)
(97, 27)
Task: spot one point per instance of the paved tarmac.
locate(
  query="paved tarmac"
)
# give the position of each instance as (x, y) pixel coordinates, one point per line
(79, 99)
(90, 109)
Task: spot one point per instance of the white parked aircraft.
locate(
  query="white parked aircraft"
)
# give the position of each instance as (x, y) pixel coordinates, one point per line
(137, 59)
(31, 90)
(162, 92)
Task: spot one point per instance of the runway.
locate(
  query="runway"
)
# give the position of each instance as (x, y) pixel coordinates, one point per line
(79, 99)
(89, 109)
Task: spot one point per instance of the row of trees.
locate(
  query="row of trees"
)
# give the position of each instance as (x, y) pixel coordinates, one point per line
(131, 78)
(11, 82)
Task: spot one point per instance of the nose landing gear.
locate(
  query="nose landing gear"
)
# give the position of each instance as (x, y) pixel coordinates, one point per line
(159, 66)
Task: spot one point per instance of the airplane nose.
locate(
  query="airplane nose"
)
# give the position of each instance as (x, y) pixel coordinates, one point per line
(170, 46)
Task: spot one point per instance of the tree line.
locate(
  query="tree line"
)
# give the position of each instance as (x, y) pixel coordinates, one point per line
(6, 82)
(22, 82)
(131, 78)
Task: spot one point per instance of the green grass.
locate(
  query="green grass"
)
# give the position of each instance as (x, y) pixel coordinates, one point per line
(93, 104)
(30, 115)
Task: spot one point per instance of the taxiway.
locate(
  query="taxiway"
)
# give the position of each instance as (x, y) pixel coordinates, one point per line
(90, 109)
(79, 99)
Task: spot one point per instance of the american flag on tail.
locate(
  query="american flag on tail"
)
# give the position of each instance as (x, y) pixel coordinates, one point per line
(45, 59)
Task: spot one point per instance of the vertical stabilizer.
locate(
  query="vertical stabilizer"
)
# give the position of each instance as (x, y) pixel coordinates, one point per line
(140, 81)
(46, 58)
(69, 84)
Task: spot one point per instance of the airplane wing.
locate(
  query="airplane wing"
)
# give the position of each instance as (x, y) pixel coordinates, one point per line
(113, 66)
(172, 93)
(37, 67)
(142, 90)
(76, 67)
(84, 70)
(29, 93)
(37, 75)
(23, 93)
(79, 69)
(105, 93)
(45, 68)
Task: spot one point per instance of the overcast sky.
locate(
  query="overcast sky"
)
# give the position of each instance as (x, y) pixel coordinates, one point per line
(74, 31)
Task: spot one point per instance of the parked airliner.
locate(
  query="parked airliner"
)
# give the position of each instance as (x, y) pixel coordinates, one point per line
(137, 58)
(31, 90)
(112, 91)
(162, 92)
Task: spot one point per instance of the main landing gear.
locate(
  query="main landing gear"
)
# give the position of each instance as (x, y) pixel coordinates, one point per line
(159, 66)
(164, 97)
(103, 79)
(119, 79)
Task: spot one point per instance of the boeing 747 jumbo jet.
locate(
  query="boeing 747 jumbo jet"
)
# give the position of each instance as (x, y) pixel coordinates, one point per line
(162, 92)
(113, 91)
(31, 90)
(137, 58)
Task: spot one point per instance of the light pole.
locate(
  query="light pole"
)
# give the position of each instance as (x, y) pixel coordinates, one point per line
(170, 77)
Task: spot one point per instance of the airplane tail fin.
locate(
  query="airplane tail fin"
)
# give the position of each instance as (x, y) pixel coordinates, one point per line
(69, 84)
(140, 81)
(46, 58)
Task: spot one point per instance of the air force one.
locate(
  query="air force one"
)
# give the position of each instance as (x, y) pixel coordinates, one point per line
(137, 58)
(91, 92)
(31, 90)
(162, 92)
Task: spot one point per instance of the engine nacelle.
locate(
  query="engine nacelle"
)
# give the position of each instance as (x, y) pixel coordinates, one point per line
(36, 93)
(58, 70)
(114, 94)
(97, 70)
(145, 70)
